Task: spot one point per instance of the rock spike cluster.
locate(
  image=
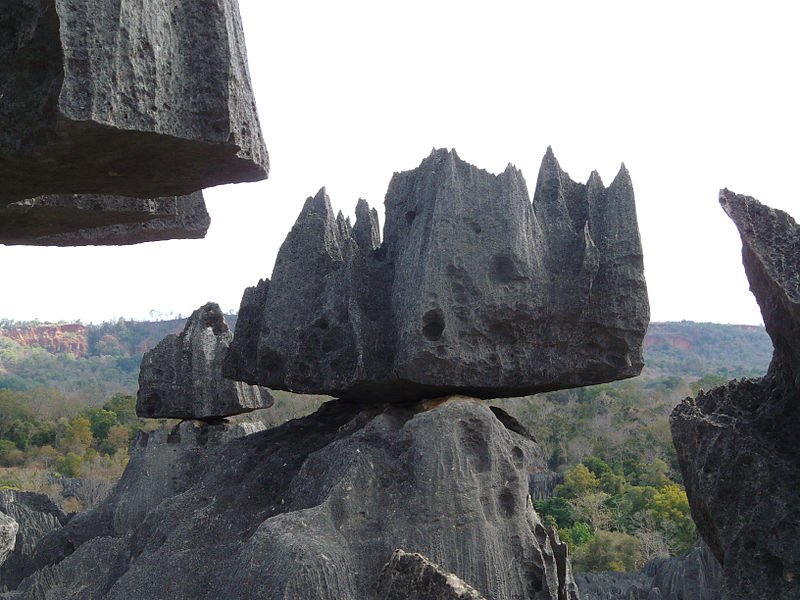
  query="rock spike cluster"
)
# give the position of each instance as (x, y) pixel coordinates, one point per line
(473, 290)
(737, 444)
(115, 100)
(181, 378)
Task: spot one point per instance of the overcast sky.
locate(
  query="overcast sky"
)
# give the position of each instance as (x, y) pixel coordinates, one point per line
(691, 96)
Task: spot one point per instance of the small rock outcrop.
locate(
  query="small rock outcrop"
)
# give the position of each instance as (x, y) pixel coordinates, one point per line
(36, 517)
(181, 378)
(85, 220)
(8, 536)
(110, 97)
(313, 509)
(737, 444)
(410, 576)
(695, 576)
(474, 290)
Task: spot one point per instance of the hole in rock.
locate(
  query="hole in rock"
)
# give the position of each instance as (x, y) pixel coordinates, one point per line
(410, 216)
(433, 324)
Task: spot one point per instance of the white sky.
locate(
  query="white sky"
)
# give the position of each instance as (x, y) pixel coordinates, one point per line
(692, 96)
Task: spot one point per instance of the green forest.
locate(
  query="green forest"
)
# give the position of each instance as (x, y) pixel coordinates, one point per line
(69, 417)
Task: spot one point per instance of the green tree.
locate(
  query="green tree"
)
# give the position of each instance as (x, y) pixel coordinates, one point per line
(78, 436)
(69, 465)
(101, 421)
(577, 481)
(608, 551)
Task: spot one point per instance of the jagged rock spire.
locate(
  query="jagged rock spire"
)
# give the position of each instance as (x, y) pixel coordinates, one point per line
(473, 290)
(181, 378)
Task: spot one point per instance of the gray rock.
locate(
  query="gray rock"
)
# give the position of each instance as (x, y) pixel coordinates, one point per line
(695, 576)
(410, 576)
(314, 508)
(474, 290)
(84, 220)
(163, 463)
(737, 444)
(8, 536)
(120, 98)
(36, 516)
(181, 378)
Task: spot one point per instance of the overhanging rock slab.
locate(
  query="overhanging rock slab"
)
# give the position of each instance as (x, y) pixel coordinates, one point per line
(124, 97)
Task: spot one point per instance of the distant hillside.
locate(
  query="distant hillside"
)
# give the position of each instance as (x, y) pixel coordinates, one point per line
(91, 361)
(688, 349)
(100, 360)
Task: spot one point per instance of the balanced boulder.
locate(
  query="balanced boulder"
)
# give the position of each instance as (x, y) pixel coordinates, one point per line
(181, 378)
(96, 220)
(474, 290)
(737, 444)
(123, 97)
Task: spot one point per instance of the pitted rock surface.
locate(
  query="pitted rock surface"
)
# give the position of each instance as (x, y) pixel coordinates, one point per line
(181, 378)
(313, 509)
(124, 97)
(411, 576)
(84, 220)
(474, 290)
(36, 517)
(737, 444)
(695, 576)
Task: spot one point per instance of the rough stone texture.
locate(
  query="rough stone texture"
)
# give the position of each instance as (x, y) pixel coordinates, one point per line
(8, 536)
(473, 291)
(314, 508)
(36, 516)
(124, 97)
(737, 445)
(696, 576)
(410, 576)
(82, 220)
(181, 378)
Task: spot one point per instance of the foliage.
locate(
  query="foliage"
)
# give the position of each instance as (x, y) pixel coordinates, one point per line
(608, 551)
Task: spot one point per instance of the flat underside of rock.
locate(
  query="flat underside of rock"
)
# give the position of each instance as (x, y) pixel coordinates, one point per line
(474, 290)
(85, 220)
(737, 444)
(314, 509)
(124, 98)
(181, 378)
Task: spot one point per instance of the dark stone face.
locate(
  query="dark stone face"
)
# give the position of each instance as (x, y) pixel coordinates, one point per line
(181, 378)
(737, 444)
(83, 220)
(474, 290)
(124, 98)
(314, 508)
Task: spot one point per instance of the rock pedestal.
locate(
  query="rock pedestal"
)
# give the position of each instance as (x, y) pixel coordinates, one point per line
(737, 444)
(474, 290)
(181, 378)
(83, 220)
(126, 98)
(313, 509)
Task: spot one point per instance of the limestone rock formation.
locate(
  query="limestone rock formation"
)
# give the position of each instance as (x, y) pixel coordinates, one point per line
(84, 220)
(410, 576)
(474, 290)
(314, 508)
(695, 576)
(181, 378)
(737, 444)
(124, 98)
(8, 536)
(36, 517)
